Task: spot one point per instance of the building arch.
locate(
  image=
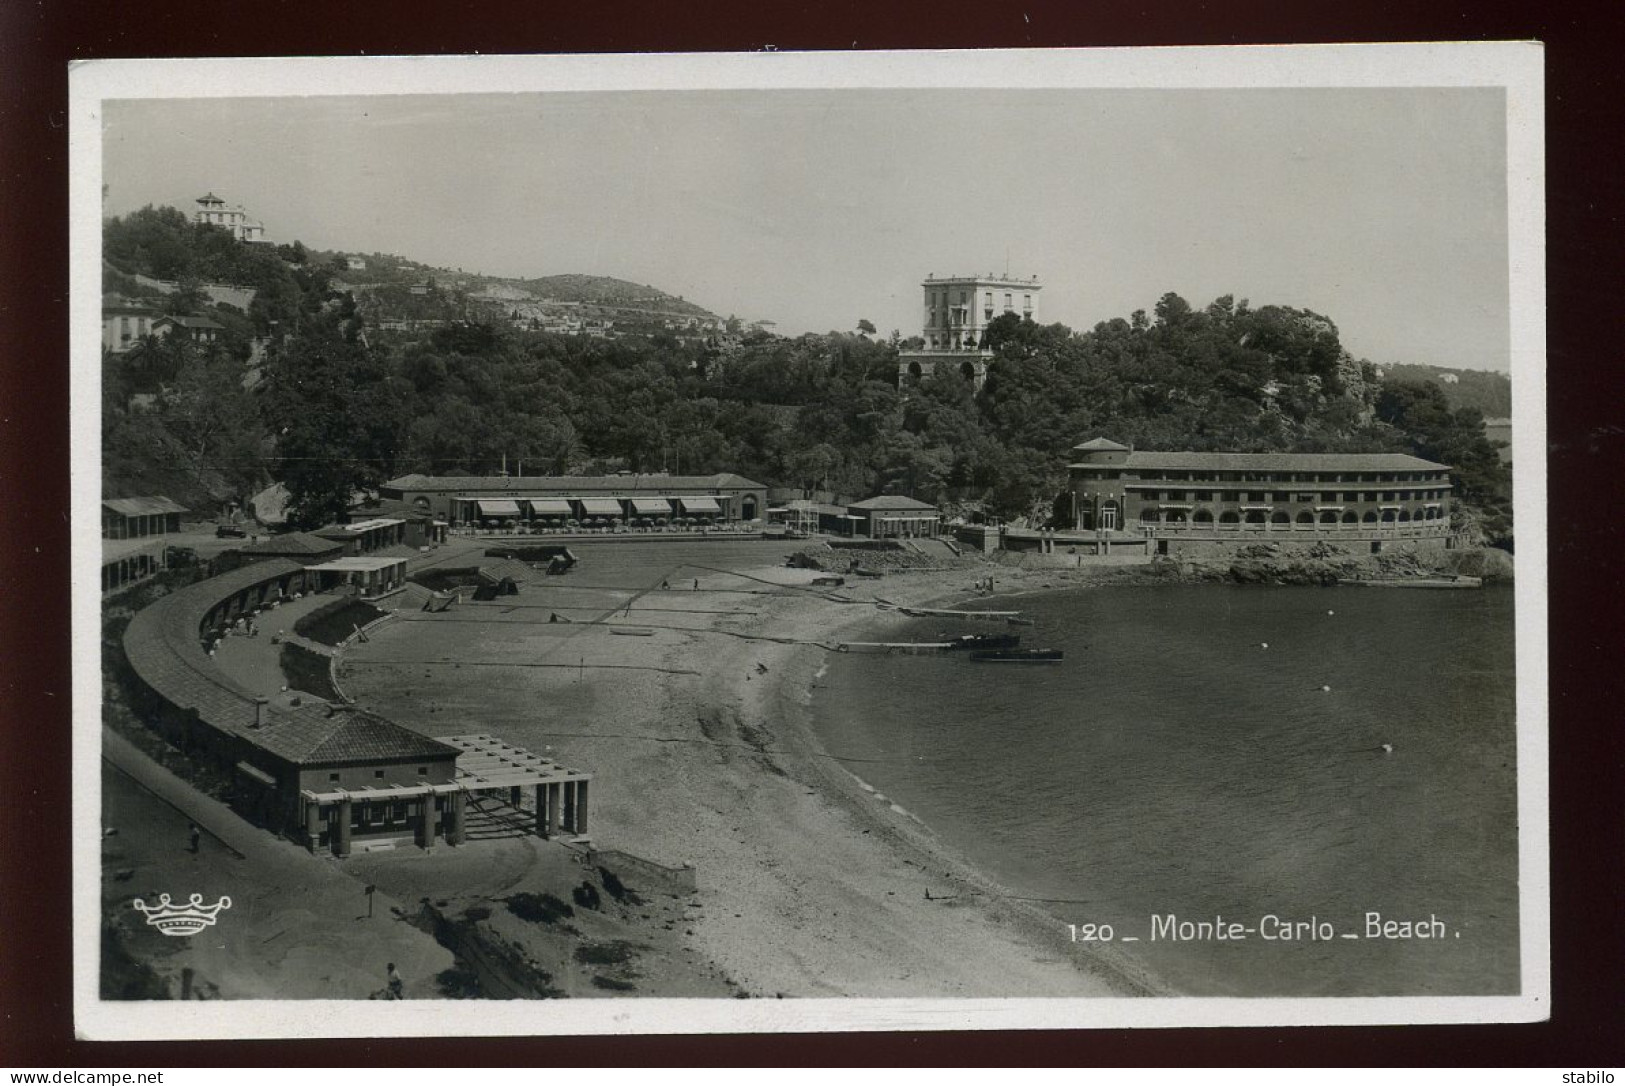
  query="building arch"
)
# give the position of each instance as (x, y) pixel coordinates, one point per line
(1370, 517)
(747, 507)
(1203, 516)
(1150, 516)
(1350, 517)
(1229, 516)
(1328, 516)
(1280, 516)
(1404, 516)
(967, 371)
(1306, 517)
(1388, 516)
(914, 370)
(1175, 516)
(1254, 516)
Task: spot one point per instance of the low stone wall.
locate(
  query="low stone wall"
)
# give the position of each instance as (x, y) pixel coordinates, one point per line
(1217, 546)
(1062, 560)
(645, 874)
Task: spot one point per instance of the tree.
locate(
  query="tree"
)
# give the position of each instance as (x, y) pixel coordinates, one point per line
(866, 327)
(339, 419)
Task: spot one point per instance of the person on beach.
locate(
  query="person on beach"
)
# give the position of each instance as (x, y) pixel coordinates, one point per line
(394, 984)
(195, 835)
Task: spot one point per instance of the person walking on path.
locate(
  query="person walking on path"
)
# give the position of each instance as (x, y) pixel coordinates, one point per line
(196, 836)
(393, 983)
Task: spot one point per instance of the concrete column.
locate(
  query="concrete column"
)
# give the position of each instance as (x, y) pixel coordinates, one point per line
(341, 831)
(313, 824)
(428, 823)
(516, 797)
(455, 828)
(581, 807)
(569, 822)
(541, 812)
(555, 803)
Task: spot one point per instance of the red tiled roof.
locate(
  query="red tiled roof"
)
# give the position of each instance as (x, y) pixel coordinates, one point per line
(313, 736)
(571, 484)
(891, 501)
(1229, 461)
(142, 507)
(301, 543)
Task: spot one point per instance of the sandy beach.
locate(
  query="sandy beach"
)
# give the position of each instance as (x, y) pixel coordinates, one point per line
(811, 883)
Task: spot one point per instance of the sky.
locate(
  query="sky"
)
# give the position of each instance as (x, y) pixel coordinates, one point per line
(1383, 209)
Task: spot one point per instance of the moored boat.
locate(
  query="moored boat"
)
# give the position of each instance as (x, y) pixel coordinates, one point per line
(1017, 656)
(985, 641)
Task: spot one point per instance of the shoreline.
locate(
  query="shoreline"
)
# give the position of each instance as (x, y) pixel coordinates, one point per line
(811, 886)
(1124, 975)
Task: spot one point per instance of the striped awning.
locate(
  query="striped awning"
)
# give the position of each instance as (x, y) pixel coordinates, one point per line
(700, 505)
(498, 507)
(600, 507)
(549, 507)
(651, 507)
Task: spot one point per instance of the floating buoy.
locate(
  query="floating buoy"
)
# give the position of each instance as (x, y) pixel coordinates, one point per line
(1325, 690)
(1263, 644)
(1386, 748)
(1331, 612)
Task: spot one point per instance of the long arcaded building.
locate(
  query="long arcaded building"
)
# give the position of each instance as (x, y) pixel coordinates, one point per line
(1184, 501)
(656, 498)
(331, 777)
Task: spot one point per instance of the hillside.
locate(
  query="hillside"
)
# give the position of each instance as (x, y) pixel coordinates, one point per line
(602, 290)
(1490, 392)
(399, 294)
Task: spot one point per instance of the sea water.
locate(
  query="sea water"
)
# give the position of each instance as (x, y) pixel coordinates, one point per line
(1213, 756)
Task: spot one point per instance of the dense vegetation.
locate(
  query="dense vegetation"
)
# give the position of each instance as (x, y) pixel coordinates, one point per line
(338, 410)
(1490, 392)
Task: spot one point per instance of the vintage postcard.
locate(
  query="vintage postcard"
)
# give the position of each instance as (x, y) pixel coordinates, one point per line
(786, 542)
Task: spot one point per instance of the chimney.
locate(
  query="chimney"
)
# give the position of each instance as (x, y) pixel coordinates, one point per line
(259, 711)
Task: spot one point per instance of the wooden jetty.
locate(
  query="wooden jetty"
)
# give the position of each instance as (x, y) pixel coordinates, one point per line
(895, 648)
(1412, 582)
(936, 612)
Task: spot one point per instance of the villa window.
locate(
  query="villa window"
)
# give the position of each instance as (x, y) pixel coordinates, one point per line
(332, 778)
(423, 771)
(1306, 497)
(378, 774)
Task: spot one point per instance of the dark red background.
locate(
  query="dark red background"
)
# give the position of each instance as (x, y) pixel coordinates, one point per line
(1585, 98)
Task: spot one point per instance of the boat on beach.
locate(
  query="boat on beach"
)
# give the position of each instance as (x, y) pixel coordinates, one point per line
(1017, 656)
